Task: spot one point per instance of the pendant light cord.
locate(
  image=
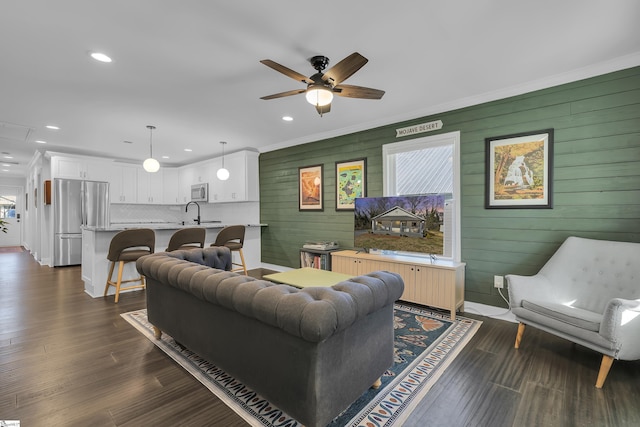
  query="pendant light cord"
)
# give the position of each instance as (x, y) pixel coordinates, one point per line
(151, 128)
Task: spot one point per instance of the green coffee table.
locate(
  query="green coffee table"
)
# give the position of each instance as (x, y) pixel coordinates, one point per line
(308, 277)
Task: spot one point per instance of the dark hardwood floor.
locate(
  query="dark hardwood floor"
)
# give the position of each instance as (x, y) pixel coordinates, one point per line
(67, 359)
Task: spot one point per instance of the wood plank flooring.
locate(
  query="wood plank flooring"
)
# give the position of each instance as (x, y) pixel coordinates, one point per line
(67, 359)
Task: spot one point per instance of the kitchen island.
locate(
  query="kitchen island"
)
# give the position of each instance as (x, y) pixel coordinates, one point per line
(96, 241)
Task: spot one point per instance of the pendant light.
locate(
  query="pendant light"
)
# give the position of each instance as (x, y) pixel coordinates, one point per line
(151, 164)
(222, 173)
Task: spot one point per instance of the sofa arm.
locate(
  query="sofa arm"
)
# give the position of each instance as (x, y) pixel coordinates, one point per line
(621, 325)
(536, 287)
(315, 314)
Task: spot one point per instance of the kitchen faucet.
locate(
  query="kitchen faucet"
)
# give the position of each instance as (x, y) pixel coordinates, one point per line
(186, 209)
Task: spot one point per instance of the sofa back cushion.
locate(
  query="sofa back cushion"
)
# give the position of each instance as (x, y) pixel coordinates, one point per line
(587, 273)
(215, 257)
(313, 314)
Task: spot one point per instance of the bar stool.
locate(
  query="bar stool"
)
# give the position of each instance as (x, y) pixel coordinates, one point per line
(187, 238)
(127, 246)
(232, 237)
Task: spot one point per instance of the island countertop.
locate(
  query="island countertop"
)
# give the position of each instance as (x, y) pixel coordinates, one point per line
(165, 226)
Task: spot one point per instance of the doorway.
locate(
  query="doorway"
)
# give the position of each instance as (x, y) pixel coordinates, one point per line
(10, 214)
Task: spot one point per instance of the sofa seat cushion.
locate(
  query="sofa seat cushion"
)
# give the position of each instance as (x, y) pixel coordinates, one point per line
(574, 316)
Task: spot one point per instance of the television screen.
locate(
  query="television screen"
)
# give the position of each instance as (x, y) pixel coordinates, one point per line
(402, 223)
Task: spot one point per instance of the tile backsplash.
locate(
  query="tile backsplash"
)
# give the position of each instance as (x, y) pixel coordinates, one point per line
(228, 213)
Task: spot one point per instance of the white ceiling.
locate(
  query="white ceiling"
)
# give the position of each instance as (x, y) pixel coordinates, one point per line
(191, 67)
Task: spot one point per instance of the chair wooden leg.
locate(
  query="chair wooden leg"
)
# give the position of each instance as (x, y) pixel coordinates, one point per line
(519, 335)
(119, 282)
(244, 265)
(605, 366)
(106, 287)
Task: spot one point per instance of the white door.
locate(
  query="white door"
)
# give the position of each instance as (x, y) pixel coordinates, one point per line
(10, 213)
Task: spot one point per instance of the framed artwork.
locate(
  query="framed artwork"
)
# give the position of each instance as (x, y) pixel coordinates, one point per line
(351, 177)
(310, 188)
(519, 170)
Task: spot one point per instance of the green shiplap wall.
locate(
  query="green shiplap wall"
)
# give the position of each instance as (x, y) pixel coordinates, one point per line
(596, 179)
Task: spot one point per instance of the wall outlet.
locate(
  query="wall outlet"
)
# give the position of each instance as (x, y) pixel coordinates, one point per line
(498, 282)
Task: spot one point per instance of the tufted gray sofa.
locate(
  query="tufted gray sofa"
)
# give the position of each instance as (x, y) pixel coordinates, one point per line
(311, 352)
(589, 293)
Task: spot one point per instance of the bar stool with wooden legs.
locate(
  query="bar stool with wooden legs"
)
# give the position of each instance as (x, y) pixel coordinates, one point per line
(232, 237)
(187, 238)
(127, 246)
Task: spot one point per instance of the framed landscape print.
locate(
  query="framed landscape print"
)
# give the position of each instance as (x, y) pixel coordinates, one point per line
(519, 170)
(310, 188)
(351, 177)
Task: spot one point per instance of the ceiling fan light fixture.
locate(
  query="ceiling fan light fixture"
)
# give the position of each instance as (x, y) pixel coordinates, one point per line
(319, 95)
(151, 165)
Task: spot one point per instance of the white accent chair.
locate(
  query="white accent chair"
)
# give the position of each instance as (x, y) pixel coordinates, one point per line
(587, 293)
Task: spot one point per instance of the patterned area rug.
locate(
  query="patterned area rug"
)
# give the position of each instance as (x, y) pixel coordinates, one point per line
(426, 342)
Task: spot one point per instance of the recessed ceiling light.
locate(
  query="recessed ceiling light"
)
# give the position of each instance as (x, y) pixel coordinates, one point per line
(39, 141)
(188, 149)
(100, 57)
(8, 157)
(287, 118)
(165, 157)
(6, 165)
(52, 127)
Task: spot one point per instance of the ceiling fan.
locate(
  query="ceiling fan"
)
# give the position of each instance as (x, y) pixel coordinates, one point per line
(321, 86)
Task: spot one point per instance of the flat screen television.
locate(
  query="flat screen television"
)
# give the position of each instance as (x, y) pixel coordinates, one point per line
(411, 224)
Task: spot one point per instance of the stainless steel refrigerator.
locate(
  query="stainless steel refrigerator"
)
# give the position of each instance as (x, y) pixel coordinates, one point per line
(75, 204)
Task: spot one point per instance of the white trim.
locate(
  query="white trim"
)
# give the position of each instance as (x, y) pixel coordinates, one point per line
(594, 70)
(388, 173)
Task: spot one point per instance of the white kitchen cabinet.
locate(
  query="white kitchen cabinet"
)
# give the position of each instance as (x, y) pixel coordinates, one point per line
(99, 170)
(202, 172)
(124, 184)
(68, 168)
(80, 168)
(150, 187)
(186, 178)
(242, 185)
(171, 186)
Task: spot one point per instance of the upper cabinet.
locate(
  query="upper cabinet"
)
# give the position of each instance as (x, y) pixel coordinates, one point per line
(171, 186)
(150, 187)
(242, 185)
(124, 184)
(129, 183)
(186, 179)
(80, 168)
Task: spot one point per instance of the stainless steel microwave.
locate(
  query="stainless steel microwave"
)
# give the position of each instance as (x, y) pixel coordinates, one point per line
(200, 192)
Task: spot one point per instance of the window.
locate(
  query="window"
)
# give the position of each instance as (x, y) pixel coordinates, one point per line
(7, 206)
(423, 166)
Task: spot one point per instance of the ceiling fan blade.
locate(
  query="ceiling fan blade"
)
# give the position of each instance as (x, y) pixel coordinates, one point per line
(349, 91)
(324, 109)
(286, 71)
(344, 69)
(283, 94)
